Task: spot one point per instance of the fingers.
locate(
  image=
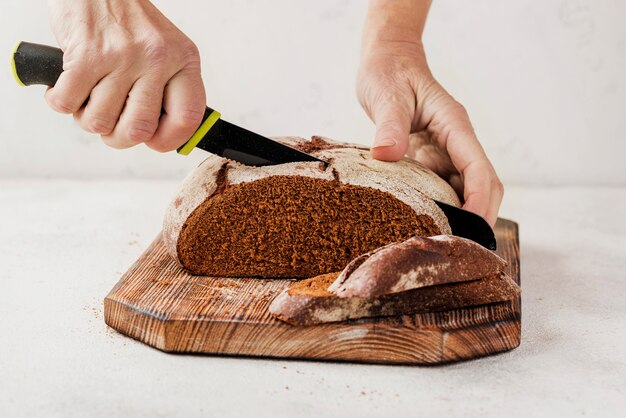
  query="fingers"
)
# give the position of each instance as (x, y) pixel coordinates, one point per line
(120, 58)
(105, 105)
(184, 103)
(140, 117)
(497, 193)
(482, 190)
(477, 191)
(393, 125)
(72, 88)
(454, 132)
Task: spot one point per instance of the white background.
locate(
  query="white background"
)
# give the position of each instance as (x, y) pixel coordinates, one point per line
(543, 82)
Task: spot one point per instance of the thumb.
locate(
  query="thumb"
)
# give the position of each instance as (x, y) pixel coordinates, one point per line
(393, 125)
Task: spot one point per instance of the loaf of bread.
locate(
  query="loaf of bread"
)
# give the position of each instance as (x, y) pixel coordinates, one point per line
(301, 219)
(446, 286)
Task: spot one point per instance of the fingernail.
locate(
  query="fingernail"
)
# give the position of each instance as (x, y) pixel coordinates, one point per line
(387, 142)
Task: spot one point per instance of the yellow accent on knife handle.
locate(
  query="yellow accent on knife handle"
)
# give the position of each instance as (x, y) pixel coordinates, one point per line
(13, 69)
(200, 133)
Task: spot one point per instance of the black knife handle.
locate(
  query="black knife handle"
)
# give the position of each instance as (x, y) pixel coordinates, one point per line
(36, 64)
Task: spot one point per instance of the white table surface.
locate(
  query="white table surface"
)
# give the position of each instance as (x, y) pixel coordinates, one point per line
(64, 244)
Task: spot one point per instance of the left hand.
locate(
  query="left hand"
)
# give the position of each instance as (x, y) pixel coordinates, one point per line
(399, 93)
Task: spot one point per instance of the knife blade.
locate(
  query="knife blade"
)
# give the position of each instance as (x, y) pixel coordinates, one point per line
(466, 224)
(42, 64)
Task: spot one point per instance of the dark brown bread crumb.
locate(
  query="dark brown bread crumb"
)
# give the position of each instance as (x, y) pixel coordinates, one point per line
(292, 226)
(315, 286)
(317, 143)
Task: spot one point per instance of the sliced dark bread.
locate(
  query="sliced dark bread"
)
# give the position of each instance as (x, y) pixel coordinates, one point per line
(416, 262)
(416, 275)
(308, 302)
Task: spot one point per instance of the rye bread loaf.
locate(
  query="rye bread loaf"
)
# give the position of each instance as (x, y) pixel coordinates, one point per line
(416, 262)
(308, 302)
(300, 219)
(447, 283)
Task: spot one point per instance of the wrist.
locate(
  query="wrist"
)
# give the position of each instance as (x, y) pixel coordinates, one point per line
(395, 25)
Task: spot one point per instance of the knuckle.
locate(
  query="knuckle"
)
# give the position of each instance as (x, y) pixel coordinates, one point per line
(392, 103)
(494, 182)
(456, 105)
(121, 51)
(62, 104)
(156, 51)
(141, 130)
(99, 124)
(121, 56)
(189, 49)
(189, 118)
(498, 185)
(459, 109)
(162, 53)
(145, 98)
(388, 126)
(190, 53)
(386, 96)
(83, 58)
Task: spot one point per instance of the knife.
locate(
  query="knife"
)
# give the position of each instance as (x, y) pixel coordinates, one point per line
(41, 64)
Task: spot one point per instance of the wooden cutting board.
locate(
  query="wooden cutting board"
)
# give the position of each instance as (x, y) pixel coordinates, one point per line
(158, 303)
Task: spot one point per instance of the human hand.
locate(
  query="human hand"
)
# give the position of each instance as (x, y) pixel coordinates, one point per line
(414, 113)
(131, 63)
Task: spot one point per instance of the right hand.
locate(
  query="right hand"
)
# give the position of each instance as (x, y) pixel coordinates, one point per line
(128, 61)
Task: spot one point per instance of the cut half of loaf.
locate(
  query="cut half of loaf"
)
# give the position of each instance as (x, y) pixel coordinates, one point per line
(300, 219)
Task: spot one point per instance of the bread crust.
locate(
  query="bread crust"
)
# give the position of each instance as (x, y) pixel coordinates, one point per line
(416, 262)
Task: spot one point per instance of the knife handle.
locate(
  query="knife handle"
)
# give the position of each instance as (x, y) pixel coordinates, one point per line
(36, 64)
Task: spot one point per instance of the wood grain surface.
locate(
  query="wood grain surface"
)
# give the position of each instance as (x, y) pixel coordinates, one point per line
(158, 303)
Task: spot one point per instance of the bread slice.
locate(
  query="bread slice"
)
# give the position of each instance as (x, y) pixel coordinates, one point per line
(308, 302)
(300, 219)
(416, 262)
(416, 275)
